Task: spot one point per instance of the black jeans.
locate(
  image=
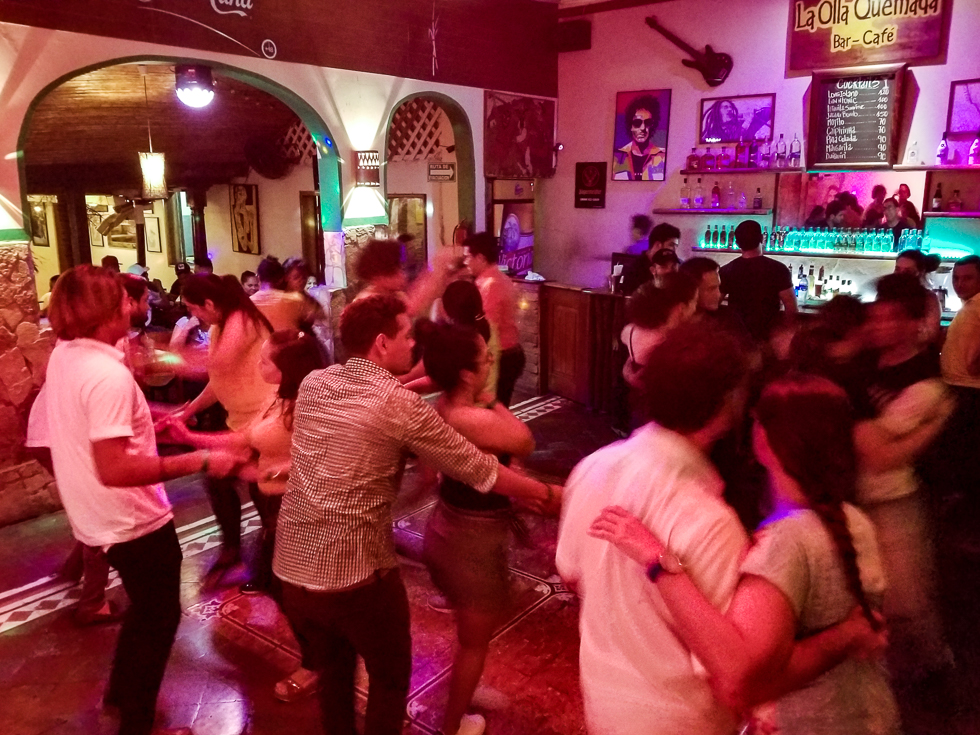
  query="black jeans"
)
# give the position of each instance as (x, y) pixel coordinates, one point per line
(268, 509)
(227, 507)
(150, 570)
(371, 621)
(512, 362)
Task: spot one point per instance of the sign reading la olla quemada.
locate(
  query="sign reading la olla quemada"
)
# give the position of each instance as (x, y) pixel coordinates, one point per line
(442, 172)
(841, 33)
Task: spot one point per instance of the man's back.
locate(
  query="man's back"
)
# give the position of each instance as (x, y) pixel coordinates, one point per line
(636, 674)
(753, 286)
(500, 305)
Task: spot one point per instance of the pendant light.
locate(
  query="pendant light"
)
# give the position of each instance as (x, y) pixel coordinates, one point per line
(151, 164)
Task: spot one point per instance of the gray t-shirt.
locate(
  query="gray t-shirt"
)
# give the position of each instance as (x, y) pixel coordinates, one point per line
(797, 554)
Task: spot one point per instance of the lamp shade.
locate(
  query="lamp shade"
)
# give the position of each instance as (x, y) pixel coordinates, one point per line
(154, 181)
(367, 168)
(195, 85)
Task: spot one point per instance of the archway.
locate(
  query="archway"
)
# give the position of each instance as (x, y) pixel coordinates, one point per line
(327, 165)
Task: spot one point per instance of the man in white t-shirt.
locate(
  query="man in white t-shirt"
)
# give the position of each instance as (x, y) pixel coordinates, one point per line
(637, 675)
(110, 477)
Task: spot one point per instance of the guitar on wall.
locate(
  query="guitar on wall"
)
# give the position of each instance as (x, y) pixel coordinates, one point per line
(714, 67)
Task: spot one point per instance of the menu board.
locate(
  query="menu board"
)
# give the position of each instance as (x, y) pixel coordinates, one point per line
(854, 120)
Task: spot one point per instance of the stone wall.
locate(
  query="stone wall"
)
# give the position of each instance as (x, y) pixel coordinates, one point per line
(26, 489)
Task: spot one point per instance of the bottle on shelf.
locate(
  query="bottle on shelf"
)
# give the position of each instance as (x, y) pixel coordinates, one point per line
(685, 195)
(757, 199)
(937, 198)
(715, 196)
(765, 238)
(724, 159)
(912, 154)
(811, 282)
(795, 152)
(973, 158)
(727, 236)
(730, 196)
(707, 237)
(715, 237)
(765, 154)
(753, 159)
(821, 281)
(781, 152)
(693, 161)
(801, 286)
(743, 201)
(741, 154)
(955, 203)
(708, 161)
(698, 196)
(942, 152)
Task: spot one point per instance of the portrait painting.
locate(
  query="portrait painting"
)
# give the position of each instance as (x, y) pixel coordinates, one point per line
(519, 136)
(245, 218)
(727, 120)
(640, 137)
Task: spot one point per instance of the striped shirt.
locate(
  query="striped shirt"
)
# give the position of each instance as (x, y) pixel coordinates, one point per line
(354, 425)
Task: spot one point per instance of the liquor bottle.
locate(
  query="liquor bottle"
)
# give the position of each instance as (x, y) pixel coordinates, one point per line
(801, 286)
(741, 154)
(685, 195)
(765, 154)
(698, 196)
(715, 196)
(727, 237)
(715, 237)
(742, 201)
(795, 152)
(765, 238)
(708, 161)
(707, 236)
(974, 156)
(942, 153)
(781, 152)
(753, 153)
(725, 159)
(821, 280)
(811, 282)
(693, 161)
(912, 154)
(757, 199)
(730, 196)
(937, 198)
(955, 204)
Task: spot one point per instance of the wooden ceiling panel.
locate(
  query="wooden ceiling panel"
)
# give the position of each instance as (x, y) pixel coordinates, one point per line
(100, 119)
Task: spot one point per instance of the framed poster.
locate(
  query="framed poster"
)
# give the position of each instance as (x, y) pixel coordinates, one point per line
(123, 235)
(831, 34)
(640, 136)
(590, 185)
(152, 229)
(519, 136)
(39, 225)
(245, 218)
(964, 107)
(731, 119)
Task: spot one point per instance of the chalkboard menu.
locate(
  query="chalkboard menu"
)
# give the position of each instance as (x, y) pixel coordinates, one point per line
(854, 119)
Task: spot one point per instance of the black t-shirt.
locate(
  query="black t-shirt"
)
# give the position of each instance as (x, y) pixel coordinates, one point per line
(636, 274)
(882, 385)
(753, 286)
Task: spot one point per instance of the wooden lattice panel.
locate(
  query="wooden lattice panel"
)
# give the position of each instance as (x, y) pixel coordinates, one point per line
(416, 130)
(298, 143)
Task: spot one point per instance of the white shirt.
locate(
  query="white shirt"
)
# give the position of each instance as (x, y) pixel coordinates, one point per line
(91, 396)
(637, 675)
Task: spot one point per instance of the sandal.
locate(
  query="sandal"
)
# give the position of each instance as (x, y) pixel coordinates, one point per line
(290, 690)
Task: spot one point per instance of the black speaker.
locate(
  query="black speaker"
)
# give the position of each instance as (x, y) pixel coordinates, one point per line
(574, 35)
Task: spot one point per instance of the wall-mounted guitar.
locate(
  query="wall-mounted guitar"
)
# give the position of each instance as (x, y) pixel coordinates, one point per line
(714, 67)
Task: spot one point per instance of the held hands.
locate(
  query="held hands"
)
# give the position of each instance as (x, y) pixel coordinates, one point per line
(174, 429)
(867, 644)
(224, 462)
(620, 527)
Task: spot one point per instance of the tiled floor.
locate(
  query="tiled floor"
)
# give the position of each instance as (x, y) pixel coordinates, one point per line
(231, 649)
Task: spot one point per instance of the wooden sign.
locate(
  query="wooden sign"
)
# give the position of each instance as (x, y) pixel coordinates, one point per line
(828, 34)
(590, 185)
(442, 172)
(854, 119)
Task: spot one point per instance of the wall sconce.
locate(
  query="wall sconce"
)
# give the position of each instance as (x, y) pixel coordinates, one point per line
(367, 168)
(195, 85)
(154, 181)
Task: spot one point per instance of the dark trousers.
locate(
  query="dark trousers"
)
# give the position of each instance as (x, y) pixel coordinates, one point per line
(268, 509)
(371, 621)
(227, 507)
(94, 581)
(150, 570)
(512, 362)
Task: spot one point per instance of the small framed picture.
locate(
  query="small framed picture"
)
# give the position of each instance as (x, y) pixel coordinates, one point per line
(964, 107)
(730, 119)
(39, 225)
(640, 137)
(153, 242)
(245, 218)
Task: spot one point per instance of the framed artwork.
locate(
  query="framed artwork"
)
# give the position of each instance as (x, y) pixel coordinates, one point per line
(730, 119)
(39, 225)
(152, 229)
(964, 107)
(123, 235)
(640, 136)
(245, 218)
(519, 136)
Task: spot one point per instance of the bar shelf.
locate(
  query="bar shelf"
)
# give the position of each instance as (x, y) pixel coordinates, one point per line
(926, 167)
(847, 254)
(756, 170)
(716, 211)
(963, 215)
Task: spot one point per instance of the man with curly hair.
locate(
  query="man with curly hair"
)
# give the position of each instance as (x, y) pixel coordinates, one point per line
(640, 160)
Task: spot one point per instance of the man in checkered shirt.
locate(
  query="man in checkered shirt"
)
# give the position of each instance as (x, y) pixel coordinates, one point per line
(354, 426)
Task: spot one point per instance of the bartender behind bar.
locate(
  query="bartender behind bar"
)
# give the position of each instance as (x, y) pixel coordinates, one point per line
(662, 237)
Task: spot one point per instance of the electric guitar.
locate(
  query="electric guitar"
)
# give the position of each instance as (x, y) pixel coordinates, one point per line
(714, 67)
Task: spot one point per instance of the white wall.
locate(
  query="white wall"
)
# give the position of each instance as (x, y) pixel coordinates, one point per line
(354, 105)
(411, 177)
(573, 245)
(279, 221)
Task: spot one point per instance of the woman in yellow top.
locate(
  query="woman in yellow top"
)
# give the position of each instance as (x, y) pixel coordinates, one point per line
(286, 358)
(237, 332)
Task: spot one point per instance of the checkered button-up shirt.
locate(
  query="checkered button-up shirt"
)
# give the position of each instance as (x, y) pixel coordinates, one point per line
(354, 425)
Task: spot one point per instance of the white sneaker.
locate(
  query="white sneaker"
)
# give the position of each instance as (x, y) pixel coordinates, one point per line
(472, 725)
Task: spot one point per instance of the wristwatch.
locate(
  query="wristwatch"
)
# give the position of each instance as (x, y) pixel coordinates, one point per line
(666, 562)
